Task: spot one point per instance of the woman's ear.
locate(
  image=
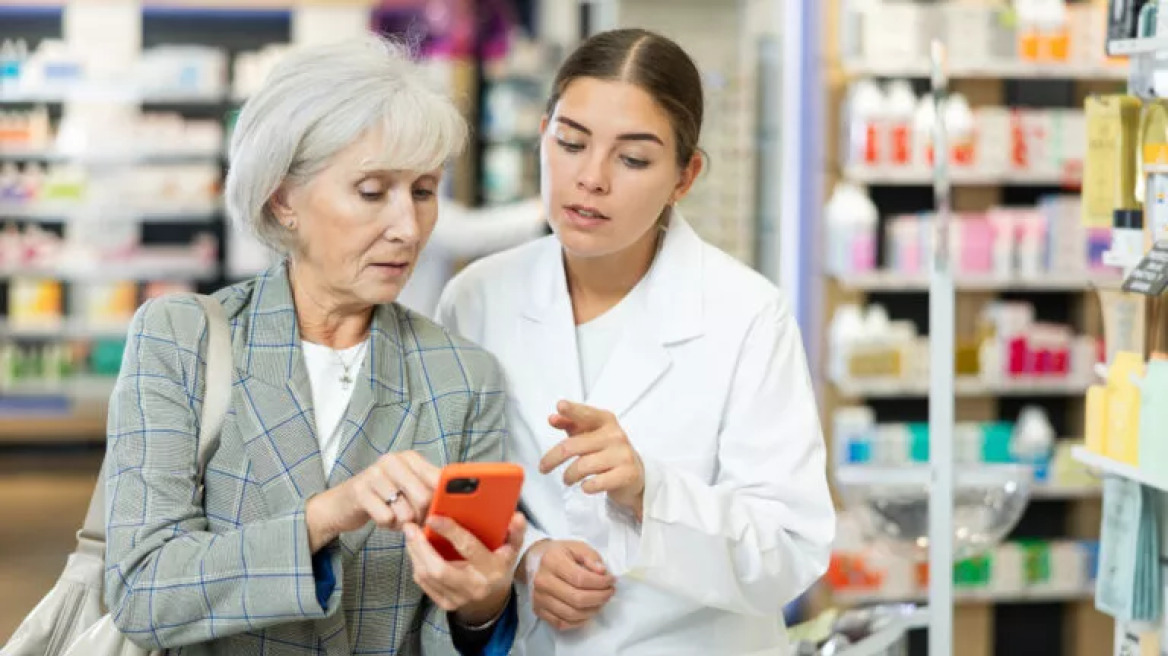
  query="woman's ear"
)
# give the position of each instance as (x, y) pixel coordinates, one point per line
(281, 209)
(543, 124)
(689, 175)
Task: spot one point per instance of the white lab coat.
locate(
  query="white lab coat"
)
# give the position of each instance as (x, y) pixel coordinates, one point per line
(710, 382)
(463, 233)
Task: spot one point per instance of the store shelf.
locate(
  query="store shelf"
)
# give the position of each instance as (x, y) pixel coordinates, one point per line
(80, 428)
(967, 387)
(1145, 46)
(915, 178)
(13, 154)
(891, 281)
(81, 388)
(1037, 596)
(67, 330)
(1110, 467)
(973, 474)
(233, 6)
(1059, 492)
(97, 93)
(66, 212)
(1001, 70)
(174, 269)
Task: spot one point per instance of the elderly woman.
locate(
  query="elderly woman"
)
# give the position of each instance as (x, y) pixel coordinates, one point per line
(344, 404)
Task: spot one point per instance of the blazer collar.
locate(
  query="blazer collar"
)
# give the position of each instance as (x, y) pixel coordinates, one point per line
(277, 420)
(272, 350)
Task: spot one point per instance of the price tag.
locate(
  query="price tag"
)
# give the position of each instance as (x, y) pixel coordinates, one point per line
(1150, 277)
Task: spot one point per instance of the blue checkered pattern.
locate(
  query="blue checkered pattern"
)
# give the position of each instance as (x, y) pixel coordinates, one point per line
(233, 574)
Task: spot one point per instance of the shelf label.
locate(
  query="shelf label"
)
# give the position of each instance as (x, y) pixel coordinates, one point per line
(1150, 277)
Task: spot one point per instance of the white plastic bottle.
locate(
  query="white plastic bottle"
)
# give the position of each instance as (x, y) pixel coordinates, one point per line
(899, 111)
(866, 127)
(959, 127)
(1033, 436)
(924, 121)
(847, 328)
(852, 220)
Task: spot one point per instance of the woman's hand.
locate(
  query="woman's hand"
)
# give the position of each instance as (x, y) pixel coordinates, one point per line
(476, 589)
(602, 451)
(569, 582)
(392, 492)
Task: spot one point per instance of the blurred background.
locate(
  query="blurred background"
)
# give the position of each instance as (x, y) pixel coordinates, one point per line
(114, 119)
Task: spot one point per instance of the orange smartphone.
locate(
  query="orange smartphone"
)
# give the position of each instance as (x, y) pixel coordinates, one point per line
(481, 497)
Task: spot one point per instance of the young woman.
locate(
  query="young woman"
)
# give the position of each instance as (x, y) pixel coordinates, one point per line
(677, 491)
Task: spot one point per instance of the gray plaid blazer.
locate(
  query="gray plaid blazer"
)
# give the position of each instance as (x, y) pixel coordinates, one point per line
(232, 573)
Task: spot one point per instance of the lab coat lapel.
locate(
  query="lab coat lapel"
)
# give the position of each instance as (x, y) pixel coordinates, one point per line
(547, 337)
(635, 364)
(671, 313)
(275, 421)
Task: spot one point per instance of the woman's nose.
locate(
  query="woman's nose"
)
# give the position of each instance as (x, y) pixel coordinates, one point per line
(593, 177)
(403, 224)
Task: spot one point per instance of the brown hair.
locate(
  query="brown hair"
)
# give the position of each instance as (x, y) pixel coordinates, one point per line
(650, 61)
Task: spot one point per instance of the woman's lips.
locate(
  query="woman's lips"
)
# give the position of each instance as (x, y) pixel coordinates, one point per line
(391, 269)
(586, 218)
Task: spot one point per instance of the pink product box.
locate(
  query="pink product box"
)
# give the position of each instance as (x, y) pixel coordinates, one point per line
(974, 244)
(905, 245)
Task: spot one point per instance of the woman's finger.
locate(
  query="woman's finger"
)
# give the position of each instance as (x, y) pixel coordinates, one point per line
(609, 481)
(426, 471)
(584, 416)
(571, 596)
(430, 575)
(461, 579)
(402, 475)
(374, 506)
(516, 531)
(389, 495)
(590, 465)
(463, 541)
(561, 615)
(572, 447)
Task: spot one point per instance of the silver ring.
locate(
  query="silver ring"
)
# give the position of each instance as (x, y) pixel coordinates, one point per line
(393, 497)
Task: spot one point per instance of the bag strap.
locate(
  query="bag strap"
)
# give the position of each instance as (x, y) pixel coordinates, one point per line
(216, 401)
(217, 386)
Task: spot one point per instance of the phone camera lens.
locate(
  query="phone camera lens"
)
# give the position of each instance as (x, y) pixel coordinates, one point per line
(462, 486)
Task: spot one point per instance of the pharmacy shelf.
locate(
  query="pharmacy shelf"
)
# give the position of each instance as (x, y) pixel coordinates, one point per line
(110, 94)
(876, 388)
(75, 428)
(68, 212)
(971, 474)
(1066, 492)
(892, 281)
(229, 6)
(80, 388)
(174, 269)
(1002, 70)
(1107, 466)
(1145, 46)
(1036, 596)
(65, 330)
(15, 154)
(918, 178)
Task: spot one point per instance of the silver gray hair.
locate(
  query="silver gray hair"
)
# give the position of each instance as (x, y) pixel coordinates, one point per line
(319, 100)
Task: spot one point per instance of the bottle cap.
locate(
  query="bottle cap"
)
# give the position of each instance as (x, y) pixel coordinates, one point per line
(1130, 219)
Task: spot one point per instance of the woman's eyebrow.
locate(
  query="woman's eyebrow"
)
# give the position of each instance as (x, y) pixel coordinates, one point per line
(628, 136)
